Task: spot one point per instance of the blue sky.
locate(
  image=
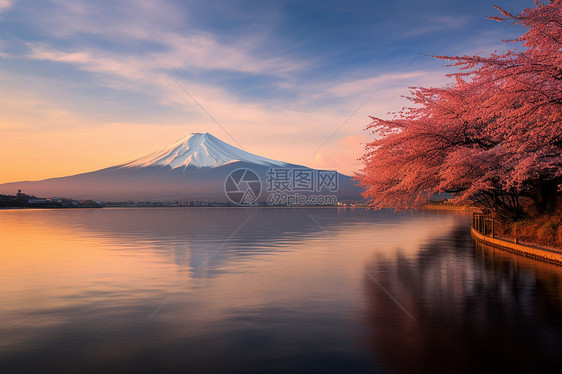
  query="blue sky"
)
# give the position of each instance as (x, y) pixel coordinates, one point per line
(279, 76)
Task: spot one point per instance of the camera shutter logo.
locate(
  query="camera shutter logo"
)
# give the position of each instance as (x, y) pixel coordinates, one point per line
(242, 186)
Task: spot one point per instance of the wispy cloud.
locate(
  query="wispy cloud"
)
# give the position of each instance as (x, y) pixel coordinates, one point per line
(146, 26)
(363, 86)
(5, 4)
(437, 23)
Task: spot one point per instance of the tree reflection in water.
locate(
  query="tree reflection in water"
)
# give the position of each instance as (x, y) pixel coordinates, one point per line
(477, 309)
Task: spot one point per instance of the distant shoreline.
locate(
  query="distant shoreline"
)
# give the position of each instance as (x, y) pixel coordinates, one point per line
(196, 206)
(448, 207)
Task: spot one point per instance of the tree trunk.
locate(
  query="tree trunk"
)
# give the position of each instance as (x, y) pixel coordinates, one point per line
(547, 197)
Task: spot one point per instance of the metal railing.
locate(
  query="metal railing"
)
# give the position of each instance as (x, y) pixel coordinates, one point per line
(485, 225)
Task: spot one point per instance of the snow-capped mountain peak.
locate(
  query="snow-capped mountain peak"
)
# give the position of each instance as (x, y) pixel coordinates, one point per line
(201, 150)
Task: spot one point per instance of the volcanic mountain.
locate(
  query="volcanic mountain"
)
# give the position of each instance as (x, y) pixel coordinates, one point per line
(193, 168)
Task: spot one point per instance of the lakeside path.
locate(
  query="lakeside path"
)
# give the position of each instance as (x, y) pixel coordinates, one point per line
(550, 255)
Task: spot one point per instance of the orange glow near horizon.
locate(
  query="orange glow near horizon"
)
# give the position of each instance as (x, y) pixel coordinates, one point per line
(36, 155)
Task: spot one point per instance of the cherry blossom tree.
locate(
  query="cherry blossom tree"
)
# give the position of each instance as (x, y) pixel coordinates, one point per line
(494, 136)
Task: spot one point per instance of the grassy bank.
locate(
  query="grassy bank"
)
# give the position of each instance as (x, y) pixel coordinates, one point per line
(542, 230)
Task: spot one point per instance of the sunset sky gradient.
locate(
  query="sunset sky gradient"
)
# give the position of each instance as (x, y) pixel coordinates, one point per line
(81, 87)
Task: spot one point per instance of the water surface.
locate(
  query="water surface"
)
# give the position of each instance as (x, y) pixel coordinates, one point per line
(224, 290)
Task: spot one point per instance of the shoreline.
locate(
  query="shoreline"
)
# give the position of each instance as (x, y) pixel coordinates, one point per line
(448, 207)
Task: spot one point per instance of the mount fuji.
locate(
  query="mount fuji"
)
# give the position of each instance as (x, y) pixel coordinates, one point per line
(194, 167)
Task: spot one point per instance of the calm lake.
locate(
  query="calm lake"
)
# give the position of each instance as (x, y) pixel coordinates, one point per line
(267, 290)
